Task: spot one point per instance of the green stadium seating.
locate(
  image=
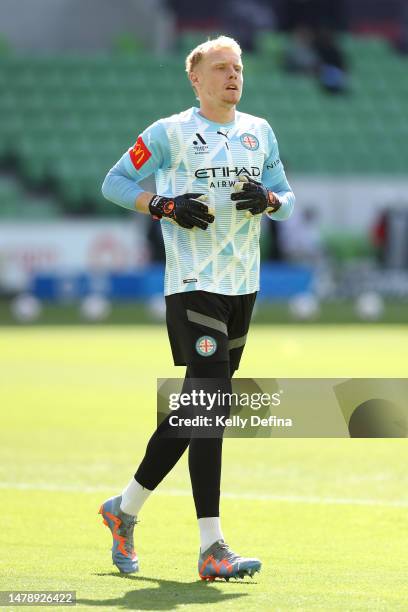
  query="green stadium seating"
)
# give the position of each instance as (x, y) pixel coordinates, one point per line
(17, 203)
(66, 120)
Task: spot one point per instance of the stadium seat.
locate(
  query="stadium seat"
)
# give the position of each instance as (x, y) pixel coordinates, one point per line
(18, 203)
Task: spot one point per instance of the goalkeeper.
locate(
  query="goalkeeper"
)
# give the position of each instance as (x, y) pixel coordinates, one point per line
(217, 174)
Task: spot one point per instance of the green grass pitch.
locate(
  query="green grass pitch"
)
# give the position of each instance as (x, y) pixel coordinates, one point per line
(328, 518)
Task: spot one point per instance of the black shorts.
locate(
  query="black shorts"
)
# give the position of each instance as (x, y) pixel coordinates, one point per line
(208, 326)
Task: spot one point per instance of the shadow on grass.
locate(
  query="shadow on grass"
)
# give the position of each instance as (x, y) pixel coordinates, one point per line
(166, 595)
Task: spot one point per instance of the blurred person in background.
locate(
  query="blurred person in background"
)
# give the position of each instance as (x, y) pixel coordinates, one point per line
(272, 249)
(313, 44)
(194, 15)
(243, 20)
(402, 38)
(231, 160)
(332, 65)
(313, 14)
(301, 238)
(155, 241)
(380, 236)
(299, 55)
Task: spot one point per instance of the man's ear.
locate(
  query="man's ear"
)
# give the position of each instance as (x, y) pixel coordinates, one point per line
(193, 78)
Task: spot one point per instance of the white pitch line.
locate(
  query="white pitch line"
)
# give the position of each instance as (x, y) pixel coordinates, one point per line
(292, 499)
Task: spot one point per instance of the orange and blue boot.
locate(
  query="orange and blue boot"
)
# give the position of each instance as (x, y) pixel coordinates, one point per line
(121, 526)
(219, 561)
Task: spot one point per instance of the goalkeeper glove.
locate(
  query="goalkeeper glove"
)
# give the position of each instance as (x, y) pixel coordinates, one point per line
(254, 197)
(186, 210)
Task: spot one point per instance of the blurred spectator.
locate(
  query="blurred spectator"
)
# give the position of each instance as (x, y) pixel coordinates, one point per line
(379, 17)
(195, 15)
(390, 234)
(332, 68)
(300, 55)
(402, 39)
(242, 20)
(311, 13)
(301, 239)
(379, 236)
(313, 47)
(271, 247)
(156, 244)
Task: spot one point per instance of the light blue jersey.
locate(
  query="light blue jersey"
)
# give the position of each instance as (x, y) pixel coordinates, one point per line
(188, 153)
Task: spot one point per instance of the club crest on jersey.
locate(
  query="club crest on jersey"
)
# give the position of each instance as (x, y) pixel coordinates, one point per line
(206, 346)
(249, 141)
(139, 154)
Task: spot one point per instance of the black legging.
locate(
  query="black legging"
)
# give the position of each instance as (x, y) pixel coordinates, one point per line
(204, 458)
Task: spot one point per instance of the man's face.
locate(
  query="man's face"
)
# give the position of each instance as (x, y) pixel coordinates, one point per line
(218, 78)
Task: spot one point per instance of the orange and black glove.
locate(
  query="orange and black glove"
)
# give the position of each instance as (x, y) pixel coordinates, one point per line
(254, 197)
(187, 210)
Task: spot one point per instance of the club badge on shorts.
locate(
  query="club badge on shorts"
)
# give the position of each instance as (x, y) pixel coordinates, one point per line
(206, 346)
(249, 141)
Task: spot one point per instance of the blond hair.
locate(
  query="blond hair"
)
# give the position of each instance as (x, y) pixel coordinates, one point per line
(196, 55)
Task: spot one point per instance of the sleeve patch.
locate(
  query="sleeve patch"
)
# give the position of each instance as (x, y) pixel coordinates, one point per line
(139, 154)
(273, 164)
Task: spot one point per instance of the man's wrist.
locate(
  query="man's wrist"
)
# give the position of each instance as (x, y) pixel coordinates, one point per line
(153, 208)
(274, 202)
(142, 202)
(160, 206)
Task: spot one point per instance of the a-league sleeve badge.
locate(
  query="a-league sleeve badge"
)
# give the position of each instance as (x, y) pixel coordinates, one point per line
(139, 154)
